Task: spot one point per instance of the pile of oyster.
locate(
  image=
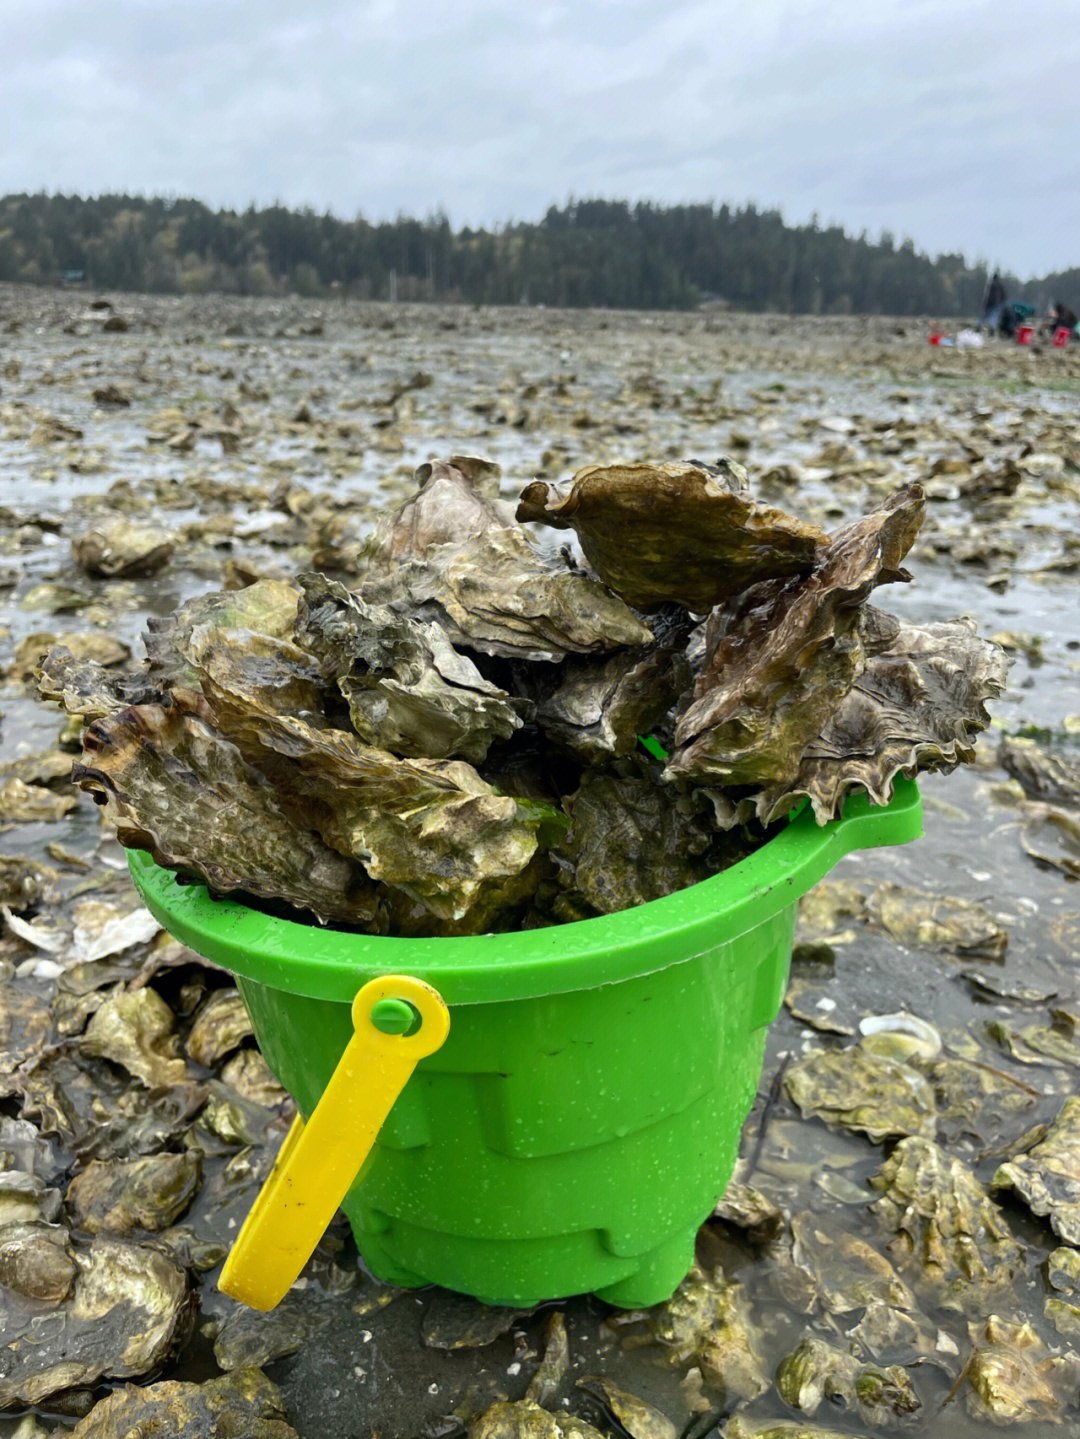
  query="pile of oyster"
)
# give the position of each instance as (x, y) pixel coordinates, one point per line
(456, 746)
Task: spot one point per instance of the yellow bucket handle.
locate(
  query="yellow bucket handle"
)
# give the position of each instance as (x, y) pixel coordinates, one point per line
(319, 1160)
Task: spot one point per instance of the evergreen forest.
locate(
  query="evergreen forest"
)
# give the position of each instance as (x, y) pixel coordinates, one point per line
(601, 253)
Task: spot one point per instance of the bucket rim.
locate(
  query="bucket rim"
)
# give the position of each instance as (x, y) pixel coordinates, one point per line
(325, 963)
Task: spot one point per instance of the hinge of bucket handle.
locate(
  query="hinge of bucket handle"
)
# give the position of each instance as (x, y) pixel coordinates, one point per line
(320, 1159)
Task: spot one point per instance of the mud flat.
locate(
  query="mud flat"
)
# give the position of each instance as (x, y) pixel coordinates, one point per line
(901, 1243)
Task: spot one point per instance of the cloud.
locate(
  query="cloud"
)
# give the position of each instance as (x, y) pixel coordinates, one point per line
(951, 124)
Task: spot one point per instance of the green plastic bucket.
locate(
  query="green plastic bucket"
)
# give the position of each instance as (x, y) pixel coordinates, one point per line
(583, 1116)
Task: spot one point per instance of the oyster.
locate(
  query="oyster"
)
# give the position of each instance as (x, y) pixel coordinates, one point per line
(408, 690)
(1051, 837)
(858, 1090)
(174, 785)
(747, 1209)
(249, 1075)
(36, 1261)
(129, 1309)
(26, 1197)
(977, 1100)
(86, 645)
(847, 1272)
(432, 828)
(743, 1428)
(259, 671)
(456, 1321)
(492, 590)
(1043, 774)
(706, 1323)
(86, 688)
(249, 1337)
(817, 1370)
(117, 1196)
(916, 707)
(221, 1026)
(135, 1030)
(267, 607)
(600, 709)
(552, 1370)
(960, 926)
(1047, 1177)
(244, 1402)
(631, 841)
(25, 1025)
(447, 507)
(1014, 1378)
(952, 1240)
(783, 656)
(22, 803)
(640, 1420)
(526, 1420)
(684, 532)
(118, 549)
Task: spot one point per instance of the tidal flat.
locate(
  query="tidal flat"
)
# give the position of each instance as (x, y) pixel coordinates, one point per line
(900, 1247)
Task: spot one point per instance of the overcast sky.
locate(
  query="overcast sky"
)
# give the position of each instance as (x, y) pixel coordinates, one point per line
(953, 122)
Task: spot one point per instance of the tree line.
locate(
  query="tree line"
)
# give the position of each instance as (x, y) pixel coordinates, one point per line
(604, 253)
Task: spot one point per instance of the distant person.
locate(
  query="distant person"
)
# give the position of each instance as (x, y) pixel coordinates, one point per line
(1060, 317)
(993, 306)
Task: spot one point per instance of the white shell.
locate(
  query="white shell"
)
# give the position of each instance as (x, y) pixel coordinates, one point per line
(899, 1036)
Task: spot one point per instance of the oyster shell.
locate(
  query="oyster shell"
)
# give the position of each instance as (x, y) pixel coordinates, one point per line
(432, 828)
(221, 1026)
(242, 1403)
(118, 549)
(135, 1030)
(525, 1420)
(1043, 774)
(683, 532)
(640, 1420)
(916, 707)
(553, 1368)
(858, 1090)
(952, 1240)
(1047, 1177)
(1014, 1378)
(631, 841)
(447, 507)
(948, 922)
(493, 591)
(706, 1323)
(117, 1196)
(249, 1337)
(175, 786)
(784, 655)
(817, 1370)
(129, 1309)
(847, 1272)
(36, 1261)
(268, 607)
(408, 690)
(599, 710)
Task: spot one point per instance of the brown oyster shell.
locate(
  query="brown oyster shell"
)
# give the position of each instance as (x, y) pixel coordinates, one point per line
(785, 654)
(683, 532)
